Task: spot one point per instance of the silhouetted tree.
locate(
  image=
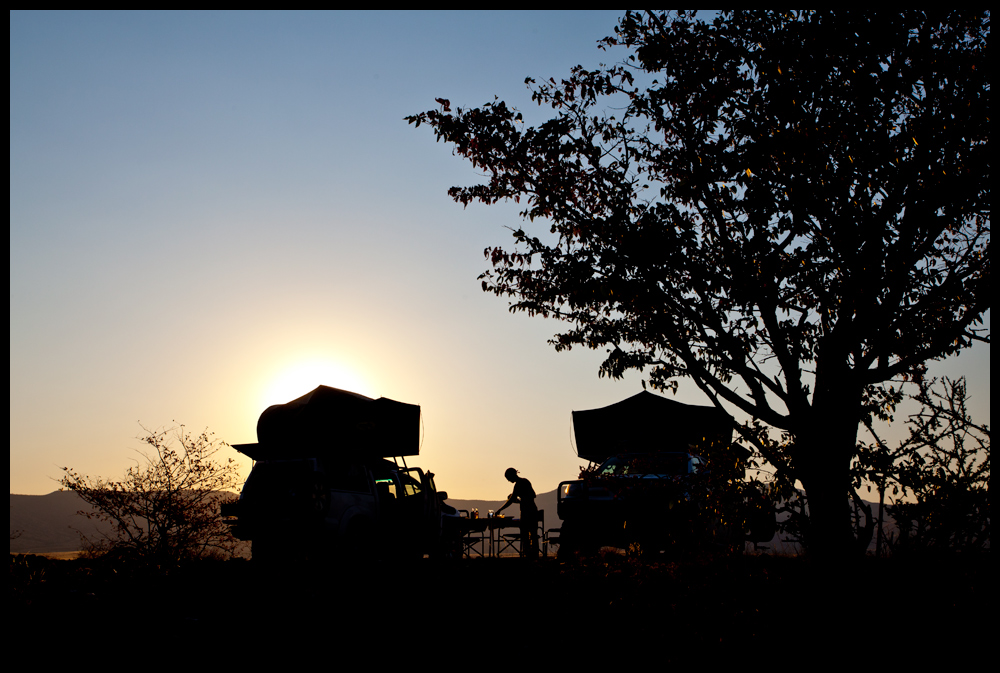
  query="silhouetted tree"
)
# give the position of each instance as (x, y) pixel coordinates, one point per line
(791, 208)
(166, 508)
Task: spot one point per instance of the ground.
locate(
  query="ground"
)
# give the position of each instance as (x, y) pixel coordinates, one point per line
(605, 608)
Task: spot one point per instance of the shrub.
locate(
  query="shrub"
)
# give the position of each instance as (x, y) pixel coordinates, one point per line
(166, 508)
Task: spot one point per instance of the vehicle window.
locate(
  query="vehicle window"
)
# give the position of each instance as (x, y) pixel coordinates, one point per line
(613, 467)
(647, 464)
(410, 481)
(386, 485)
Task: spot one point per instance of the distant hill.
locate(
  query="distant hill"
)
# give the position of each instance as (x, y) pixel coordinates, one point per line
(48, 523)
(546, 502)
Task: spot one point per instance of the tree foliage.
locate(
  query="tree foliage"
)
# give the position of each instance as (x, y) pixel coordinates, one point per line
(790, 208)
(166, 508)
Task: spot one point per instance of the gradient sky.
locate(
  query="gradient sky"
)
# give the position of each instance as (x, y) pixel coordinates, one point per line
(214, 212)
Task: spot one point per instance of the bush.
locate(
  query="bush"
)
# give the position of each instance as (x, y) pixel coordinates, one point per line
(166, 508)
(945, 465)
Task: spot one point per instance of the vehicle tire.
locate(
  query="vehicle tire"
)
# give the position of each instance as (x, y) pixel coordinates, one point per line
(567, 549)
(574, 540)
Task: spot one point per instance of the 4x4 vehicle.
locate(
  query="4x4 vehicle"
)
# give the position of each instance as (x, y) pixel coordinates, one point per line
(668, 475)
(330, 475)
(650, 498)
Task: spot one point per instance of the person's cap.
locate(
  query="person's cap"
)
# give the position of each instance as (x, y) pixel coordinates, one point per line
(511, 473)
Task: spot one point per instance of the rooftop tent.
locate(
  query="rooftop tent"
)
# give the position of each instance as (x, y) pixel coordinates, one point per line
(328, 422)
(647, 422)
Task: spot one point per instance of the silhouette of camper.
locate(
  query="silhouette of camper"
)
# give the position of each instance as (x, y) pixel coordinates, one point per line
(330, 477)
(662, 466)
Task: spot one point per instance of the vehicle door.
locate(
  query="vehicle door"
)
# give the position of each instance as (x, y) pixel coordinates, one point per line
(350, 493)
(419, 518)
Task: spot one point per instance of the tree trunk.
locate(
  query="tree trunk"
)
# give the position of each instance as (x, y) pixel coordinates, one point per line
(822, 462)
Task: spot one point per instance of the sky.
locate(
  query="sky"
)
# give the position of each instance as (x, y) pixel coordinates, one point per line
(215, 212)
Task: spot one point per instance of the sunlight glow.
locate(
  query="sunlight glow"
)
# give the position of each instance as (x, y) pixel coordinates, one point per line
(298, 379)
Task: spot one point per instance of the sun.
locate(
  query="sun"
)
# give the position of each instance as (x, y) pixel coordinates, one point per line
(298, 379)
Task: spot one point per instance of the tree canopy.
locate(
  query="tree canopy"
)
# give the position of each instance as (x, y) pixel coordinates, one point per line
(791, 208)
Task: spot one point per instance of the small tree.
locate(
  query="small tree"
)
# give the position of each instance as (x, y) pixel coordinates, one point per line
(166, 508)
(945, 465)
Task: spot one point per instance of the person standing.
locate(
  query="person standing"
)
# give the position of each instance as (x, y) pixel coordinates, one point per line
(524, 495)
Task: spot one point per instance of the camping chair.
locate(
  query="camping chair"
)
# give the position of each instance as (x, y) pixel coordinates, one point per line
(513, 540)
(551, 537)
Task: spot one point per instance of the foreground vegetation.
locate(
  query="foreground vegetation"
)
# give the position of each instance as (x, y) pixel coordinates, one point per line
(603, 606)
